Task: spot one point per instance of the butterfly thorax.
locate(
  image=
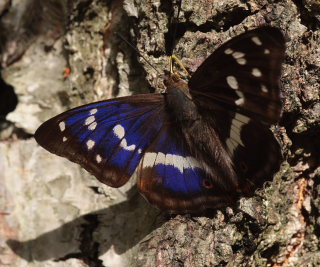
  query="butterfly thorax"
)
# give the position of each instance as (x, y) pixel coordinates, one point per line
(179, 101)
(199, 135)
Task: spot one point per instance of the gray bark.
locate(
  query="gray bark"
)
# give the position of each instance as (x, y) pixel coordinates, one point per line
(53, 213)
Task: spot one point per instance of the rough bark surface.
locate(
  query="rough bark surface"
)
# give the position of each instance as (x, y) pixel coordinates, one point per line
(59, 54)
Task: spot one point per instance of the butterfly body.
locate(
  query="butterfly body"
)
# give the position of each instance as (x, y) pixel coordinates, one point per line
(200, 145)
(198, 132)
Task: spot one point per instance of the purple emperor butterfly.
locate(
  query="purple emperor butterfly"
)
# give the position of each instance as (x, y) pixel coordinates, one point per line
(199, 145)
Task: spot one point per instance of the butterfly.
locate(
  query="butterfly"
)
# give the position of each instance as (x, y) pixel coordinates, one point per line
(199, 145)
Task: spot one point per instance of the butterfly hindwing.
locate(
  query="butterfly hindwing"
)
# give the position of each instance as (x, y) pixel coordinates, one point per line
(252, 148)
(256, 156)
(106, 138)
(172, 179)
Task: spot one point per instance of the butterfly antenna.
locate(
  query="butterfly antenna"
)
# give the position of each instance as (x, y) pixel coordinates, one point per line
(135, 49)
(174, 22)
(174, 58)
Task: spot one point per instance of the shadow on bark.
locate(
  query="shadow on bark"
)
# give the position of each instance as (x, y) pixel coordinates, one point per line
(90, 248)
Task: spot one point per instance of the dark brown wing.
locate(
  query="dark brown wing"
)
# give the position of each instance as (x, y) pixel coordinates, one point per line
(243, 74)
(237, 90)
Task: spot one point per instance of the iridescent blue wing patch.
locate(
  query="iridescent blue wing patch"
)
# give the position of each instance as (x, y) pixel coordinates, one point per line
(107, 138)
(174, 180)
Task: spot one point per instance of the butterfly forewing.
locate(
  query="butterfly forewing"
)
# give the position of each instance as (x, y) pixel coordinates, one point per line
(106, 138)
(243, 74)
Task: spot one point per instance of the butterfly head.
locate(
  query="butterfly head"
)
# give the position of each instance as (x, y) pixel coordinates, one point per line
(173, 82)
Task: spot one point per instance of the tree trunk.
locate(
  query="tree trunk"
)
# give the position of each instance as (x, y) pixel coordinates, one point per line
(59, 54)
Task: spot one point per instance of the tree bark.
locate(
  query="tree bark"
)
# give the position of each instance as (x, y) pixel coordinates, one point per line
(60, 54)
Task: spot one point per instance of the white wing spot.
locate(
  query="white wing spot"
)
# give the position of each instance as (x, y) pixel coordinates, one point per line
(160, 159)
(179, 162)
(149, 159)
(175, 161)
(241, 118)
(256, 72)
(89, 120)
(238, 54)
(239, 101)
(93, 111)
(231, 145)
(62, 126)
(139, 150)
(264, 88)
(90, 144)
(232, 82)
(267, 51)
(241, 61)
(191, 163)
(92, 126)
(228, 51)
(119, 131)
(98, 158)
(235, 136)
(256, 40)
(125, 146)
(239, 57)
(64, 139)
